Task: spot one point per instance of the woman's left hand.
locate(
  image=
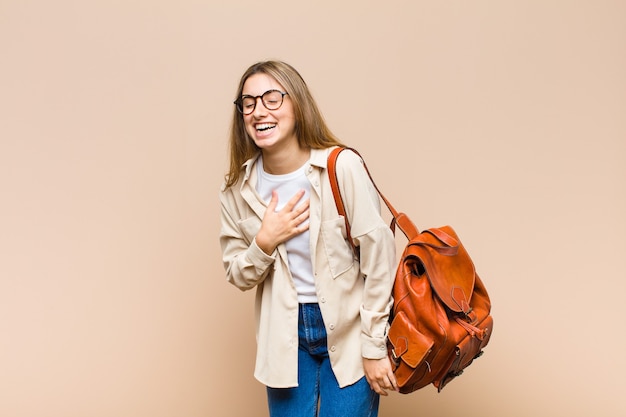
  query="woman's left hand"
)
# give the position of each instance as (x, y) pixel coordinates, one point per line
(379, 375)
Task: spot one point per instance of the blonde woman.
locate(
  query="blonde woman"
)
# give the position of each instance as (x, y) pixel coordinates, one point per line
(321, 313)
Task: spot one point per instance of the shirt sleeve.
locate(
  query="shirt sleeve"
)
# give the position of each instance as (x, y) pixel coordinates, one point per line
(377, 252)
(245, 263)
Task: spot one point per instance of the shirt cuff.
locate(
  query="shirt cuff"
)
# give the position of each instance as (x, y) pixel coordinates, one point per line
(260, 258)
(373, 348)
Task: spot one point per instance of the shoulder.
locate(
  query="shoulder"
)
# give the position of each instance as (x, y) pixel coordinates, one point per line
(346, 155)
(349, 161)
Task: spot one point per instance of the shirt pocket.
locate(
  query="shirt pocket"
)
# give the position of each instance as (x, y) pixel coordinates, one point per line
(338, 251)
(250, 228)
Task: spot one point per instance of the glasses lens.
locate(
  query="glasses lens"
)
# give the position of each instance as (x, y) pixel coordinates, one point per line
(247, 105)
(272, 99)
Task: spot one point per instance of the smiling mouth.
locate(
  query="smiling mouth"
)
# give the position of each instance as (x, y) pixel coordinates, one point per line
(265, 126)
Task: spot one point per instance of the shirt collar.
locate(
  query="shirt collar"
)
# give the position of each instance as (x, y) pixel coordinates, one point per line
(247, 166)
(318, 158)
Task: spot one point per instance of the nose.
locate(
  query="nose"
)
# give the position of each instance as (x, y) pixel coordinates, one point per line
(259, 108)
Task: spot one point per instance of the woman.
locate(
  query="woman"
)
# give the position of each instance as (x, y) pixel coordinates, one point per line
(321, 314)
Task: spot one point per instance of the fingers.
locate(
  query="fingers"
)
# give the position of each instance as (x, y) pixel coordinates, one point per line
(377, 386)
(297, 215)
(380, 376)
(293, 200)
(290, 206)
(273, 201)
(394, 383)
(383, 384)
(281, 225)
(301, 213)
(391, 378)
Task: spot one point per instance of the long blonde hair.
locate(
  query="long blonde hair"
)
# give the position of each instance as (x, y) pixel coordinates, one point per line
(310, 127)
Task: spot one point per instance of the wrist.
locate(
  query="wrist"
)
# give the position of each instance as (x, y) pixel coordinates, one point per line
(263, 244)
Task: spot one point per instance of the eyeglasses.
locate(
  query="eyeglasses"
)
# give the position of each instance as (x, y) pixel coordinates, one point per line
(271, 99)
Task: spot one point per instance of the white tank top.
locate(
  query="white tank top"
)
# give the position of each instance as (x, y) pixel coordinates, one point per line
(298, 247)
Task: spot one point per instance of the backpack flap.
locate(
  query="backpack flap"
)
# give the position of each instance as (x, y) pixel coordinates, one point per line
(407, 344)
(453, 277)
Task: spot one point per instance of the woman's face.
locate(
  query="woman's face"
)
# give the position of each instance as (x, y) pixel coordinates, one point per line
(269, 129)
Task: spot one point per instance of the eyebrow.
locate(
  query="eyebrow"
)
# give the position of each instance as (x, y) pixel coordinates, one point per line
(257, 95)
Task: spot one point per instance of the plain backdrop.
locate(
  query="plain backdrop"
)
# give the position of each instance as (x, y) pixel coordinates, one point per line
(505, 119)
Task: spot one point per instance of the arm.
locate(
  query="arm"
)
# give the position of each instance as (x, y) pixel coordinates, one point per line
(377, 263)
(248, 264)
(245, 263)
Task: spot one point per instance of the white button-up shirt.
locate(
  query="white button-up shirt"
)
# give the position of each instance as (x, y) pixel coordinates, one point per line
(354, 296)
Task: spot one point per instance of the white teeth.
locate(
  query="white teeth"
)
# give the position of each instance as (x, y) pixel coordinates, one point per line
(265, 126)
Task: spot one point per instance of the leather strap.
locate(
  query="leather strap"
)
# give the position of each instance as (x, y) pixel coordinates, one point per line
(402, 220)
(450, 245)
(334, 185)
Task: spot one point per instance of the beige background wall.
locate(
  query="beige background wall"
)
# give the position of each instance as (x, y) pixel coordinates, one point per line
(113, 122)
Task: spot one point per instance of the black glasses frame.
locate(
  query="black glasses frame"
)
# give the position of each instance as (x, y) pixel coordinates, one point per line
(239, 102)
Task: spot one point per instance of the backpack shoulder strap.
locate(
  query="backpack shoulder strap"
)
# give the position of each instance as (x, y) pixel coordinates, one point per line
(402, 220)
(334, 185)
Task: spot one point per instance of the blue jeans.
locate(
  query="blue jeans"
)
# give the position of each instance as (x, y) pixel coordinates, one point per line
(318, 393)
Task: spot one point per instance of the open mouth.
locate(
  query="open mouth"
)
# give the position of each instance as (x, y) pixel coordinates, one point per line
(265, 127)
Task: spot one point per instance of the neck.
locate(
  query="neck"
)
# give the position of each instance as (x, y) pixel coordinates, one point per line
(285, 161)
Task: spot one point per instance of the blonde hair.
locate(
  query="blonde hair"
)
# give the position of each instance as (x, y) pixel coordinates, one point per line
(310, 127)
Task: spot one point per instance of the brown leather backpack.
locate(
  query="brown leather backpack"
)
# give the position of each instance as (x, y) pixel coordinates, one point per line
(441, 316)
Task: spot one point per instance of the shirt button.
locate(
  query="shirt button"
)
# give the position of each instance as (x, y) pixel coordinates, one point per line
(323, 300)
(310, 169)
(331, 327)
(333, 348)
